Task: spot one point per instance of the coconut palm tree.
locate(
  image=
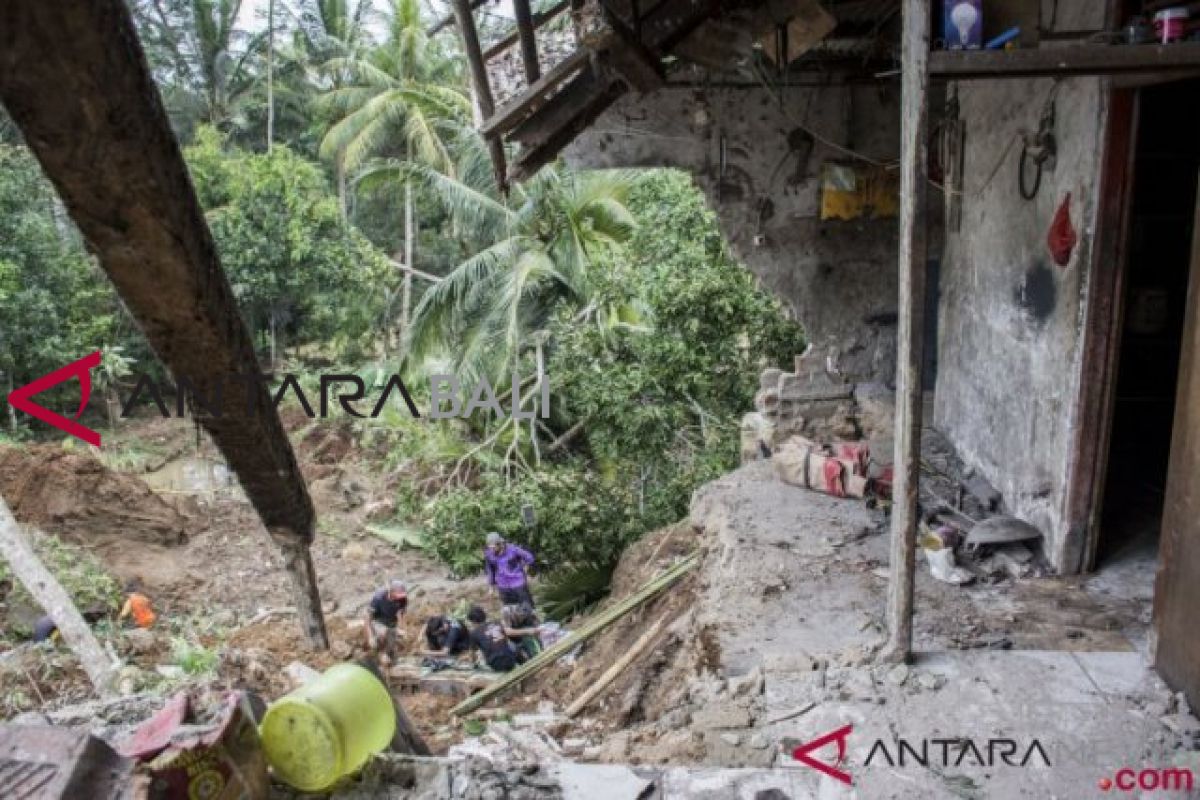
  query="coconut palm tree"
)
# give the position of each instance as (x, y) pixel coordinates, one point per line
(494, 305)
(402, 100)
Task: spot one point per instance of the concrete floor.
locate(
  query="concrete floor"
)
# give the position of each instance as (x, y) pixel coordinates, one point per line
(792, 588)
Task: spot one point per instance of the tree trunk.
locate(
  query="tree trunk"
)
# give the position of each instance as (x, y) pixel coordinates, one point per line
(12, 411)
(341, 188)
(274, 327)
(406, 308)
(18, 551)
(270, 73)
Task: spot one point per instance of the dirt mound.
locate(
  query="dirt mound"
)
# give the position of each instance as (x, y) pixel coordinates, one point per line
(79, 499)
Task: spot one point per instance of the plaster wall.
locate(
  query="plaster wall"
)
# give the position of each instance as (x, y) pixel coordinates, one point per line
(1010, 331)
(837, 277)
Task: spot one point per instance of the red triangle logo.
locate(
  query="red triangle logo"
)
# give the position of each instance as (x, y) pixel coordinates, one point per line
(801, 754)
(19, 398)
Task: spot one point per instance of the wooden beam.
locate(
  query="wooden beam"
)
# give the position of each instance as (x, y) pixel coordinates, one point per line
(416, 273)
(564, 106)
(449, 19)
(529, 55)
(539, 19)
(47, 592)
(533, 159)
(914, 111)
(618, 47)
(1087, 59)
(483, 88)
(92, 115)
(535, 96)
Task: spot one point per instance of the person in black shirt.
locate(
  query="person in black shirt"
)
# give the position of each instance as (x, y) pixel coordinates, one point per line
(385, 615)
(489, 639)
(446, 636)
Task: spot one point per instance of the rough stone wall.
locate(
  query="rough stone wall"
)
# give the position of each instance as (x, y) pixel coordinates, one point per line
(838, 277)
(1011, 320)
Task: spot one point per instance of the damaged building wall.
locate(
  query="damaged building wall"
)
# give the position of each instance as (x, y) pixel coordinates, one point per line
(1010, 333)
(758, 155)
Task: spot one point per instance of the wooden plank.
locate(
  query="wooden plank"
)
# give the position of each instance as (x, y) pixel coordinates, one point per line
(92, 115)
(529, 56)
(530, 161)
(562, 108)
(449, 19)
(574, 639)
(47, 592)
(479, 79)
(535, 96)
(1089, 59)
(1177, 588)
(1086, 469)
(914, 109)
(637, 64)
(539, 19)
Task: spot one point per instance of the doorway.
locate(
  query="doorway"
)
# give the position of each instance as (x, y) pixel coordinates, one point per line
(1159, 243)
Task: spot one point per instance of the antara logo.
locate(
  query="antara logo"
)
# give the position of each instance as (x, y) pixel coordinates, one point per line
(948, 752)
(82, 369)
(212, 398)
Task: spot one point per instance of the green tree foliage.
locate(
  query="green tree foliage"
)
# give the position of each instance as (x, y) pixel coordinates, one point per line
(658, 408)
(481, 316)
(296, 268)
(55, 305)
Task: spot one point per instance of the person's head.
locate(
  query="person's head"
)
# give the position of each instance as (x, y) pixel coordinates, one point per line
(134, 585)
(495, 542)
(397, 590)
(476, 616)
(437, 624)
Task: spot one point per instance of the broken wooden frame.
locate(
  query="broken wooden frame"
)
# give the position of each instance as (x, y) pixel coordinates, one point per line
(74, 79)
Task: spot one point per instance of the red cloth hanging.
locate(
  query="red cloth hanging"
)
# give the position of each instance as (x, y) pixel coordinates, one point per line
(1062, 237)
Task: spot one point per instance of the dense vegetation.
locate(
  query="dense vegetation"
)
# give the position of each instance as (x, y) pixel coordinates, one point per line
(334, 145)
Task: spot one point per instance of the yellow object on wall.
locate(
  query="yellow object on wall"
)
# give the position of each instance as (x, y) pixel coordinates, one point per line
(852, 191)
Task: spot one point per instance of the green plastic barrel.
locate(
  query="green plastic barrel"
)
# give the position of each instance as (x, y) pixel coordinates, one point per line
(328, 728)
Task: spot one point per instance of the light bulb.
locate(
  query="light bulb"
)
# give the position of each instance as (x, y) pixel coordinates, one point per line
(964, 16)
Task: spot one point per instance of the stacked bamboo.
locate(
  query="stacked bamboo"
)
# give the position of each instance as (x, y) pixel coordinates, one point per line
(564, 646)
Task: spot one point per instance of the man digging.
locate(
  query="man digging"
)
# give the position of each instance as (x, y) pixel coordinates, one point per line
(385, 618)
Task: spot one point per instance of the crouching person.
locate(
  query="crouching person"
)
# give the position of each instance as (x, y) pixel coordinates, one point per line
(489, 641)
(521, 627)
(445, 636)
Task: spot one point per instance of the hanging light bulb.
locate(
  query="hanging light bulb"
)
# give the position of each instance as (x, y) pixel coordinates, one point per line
(964, 16)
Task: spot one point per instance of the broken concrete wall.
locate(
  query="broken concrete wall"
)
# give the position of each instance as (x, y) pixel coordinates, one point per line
(748, 150)
(1010, 335)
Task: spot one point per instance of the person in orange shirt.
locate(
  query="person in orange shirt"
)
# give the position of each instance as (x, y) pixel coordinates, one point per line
(137, 605)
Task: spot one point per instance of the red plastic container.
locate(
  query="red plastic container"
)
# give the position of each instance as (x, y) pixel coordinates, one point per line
(1169, 24)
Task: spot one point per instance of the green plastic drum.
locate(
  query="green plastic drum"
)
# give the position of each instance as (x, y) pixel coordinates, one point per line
(328, 728)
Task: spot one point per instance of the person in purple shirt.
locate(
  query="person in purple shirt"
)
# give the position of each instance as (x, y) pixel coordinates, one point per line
(505, 564)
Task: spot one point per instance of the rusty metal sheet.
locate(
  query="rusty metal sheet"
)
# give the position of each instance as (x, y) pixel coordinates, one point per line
(45, 763)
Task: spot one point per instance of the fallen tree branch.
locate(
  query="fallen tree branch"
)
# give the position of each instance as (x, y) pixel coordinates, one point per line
(565, 645)
(18, 551)
(617, 668)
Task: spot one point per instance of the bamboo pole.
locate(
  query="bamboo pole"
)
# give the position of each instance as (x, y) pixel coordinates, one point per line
(617, 668)
(914, 109)
(561, 648)
(18, 551)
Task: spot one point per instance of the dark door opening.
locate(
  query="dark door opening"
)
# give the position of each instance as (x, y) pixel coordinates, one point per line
(1161, 216)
